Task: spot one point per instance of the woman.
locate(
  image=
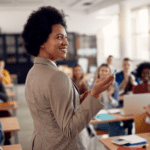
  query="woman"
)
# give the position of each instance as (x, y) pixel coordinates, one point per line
(78, 79)
(4, 113)
(52, 98)
(143, 73)
(110, 100)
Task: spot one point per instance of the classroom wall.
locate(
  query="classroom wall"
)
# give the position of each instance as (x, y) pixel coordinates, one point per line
(12, 21)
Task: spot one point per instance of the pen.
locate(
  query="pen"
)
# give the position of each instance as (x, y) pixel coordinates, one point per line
(145, 146)
(114, 71)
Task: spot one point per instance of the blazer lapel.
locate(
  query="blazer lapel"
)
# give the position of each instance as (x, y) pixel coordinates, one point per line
(76, 87)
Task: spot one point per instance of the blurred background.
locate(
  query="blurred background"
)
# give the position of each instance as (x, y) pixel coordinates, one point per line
(95, 28)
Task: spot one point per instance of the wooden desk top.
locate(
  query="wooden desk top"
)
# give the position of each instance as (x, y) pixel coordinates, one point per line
(12, 147)
(119, 118)
(9, 124)
(108, 142)
(11, 105)
(10, 94)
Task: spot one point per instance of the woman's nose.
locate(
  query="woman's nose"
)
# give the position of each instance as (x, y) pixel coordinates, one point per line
(65, 42)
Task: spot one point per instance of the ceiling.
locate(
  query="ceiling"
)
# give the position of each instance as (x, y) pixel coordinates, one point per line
(87, 6)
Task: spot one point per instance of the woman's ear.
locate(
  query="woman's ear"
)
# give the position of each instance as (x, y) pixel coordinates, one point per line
(42, 46)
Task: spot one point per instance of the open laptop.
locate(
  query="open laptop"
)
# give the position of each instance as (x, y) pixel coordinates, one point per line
(134, 103)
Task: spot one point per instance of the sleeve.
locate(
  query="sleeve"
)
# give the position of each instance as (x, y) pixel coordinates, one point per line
(135, 89)
(115, 96)
(6, 79)
(62, 95)
(119, 78)
(3, 94)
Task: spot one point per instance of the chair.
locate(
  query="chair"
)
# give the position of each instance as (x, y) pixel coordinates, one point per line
(140, 125)
(100, 132)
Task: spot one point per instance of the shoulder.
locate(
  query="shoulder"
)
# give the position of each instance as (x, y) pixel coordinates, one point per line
(5, 71)
(119, 73)
(137, 88)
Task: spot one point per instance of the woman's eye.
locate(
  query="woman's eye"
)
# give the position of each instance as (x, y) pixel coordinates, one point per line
(59, 37)
(66, 37)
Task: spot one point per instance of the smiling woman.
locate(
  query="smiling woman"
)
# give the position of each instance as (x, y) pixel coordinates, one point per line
(52, 97)
(56, 45)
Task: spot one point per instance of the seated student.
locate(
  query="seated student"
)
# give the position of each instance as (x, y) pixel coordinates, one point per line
(4, 98)
(126, 80)
(110, 100)
(110, 63)
(79, 80)
(142, 72)
(4, 74)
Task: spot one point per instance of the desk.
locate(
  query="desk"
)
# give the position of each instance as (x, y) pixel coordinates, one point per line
(10, 124)
(108, 144)
(119, 118)
(12, 147)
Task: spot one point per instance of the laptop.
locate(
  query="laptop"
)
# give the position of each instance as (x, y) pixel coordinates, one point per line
(134, 103)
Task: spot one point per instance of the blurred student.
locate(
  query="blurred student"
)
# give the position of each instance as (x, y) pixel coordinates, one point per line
(142, 72)
(126, 80)
(4, 98)
(79, 80)
(110, 100)
(4, 74)
(110, 63)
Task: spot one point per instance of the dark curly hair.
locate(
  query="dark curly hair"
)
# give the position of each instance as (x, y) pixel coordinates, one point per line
(140, 67)
(39, 26)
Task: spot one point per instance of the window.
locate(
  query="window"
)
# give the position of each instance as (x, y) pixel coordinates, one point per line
(140, 36)
(111, 38)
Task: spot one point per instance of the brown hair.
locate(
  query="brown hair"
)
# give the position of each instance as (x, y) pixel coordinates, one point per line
(98, 69)
(74, 78)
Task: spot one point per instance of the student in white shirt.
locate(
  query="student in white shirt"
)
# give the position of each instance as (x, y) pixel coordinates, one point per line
(110, 100)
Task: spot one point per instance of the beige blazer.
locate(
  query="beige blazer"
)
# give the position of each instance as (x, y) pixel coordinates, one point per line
(54, 105)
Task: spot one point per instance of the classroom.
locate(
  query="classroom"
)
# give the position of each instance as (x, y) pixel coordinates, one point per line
(74, 74)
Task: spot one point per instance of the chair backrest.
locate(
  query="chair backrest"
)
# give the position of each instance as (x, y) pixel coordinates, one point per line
(140, 125)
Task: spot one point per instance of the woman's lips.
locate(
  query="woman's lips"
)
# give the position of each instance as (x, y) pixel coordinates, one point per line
(63, 50)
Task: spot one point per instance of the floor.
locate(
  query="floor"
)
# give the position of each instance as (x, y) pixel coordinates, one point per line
(26, 123)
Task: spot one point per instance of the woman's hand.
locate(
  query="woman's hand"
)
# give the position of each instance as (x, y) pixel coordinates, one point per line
(101, 85)
(84, 95)
(147, 110)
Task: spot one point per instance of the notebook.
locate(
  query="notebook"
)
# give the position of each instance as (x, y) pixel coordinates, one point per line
(102, 117)
(130, 140)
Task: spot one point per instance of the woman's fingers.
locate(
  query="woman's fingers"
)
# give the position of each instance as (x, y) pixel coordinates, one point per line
(105, 80)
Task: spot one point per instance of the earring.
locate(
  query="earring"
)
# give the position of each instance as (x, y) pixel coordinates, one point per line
(42, 46)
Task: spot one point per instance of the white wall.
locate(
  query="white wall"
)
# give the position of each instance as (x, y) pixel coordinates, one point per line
(12, 21)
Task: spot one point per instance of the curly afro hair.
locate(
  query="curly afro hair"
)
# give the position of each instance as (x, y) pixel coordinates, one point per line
(140, 67)
(39, 26)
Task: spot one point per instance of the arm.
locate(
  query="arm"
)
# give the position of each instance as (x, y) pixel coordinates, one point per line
(61, 96)
(115, 97)
(6, 78)
(3, 94)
